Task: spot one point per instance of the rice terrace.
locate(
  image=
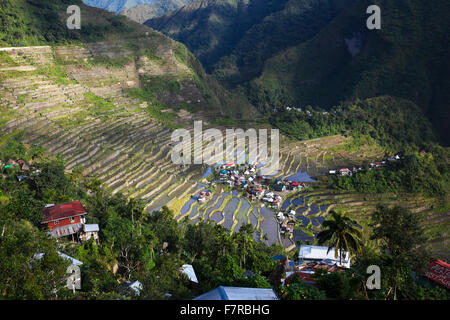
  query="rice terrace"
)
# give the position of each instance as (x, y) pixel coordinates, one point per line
(224, 150)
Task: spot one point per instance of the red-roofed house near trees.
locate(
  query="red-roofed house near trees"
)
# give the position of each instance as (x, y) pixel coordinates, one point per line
(64, 219)
(439, 272)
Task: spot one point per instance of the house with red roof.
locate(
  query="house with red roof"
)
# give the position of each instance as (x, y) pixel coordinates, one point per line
(65, 219)
(306, 272)
(439, 272)
(345, 172)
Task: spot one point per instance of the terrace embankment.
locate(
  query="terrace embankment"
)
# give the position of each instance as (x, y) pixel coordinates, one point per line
(88, 104)
(77, 102)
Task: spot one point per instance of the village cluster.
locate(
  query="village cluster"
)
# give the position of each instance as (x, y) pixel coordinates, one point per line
(20, 166)
(377, 164)
(255, 186)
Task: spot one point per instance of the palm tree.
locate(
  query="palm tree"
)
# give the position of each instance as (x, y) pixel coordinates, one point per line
(341, 233)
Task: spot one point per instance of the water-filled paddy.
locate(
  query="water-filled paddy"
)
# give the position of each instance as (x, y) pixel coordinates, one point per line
(286, 204)
(217, 217)
(301, 176)
(303, 219)
(217, 205)
(207, 173)
(297, 202)
(241, 215)
(229, 212)
(317, 221)
(194, 211)
(269, 227)
(299, 235)
(266, 212)
(187, 206)
(313, 209)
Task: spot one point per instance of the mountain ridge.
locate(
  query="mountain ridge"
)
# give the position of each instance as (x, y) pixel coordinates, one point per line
(116, 5)
(331, 58)
(144, 12)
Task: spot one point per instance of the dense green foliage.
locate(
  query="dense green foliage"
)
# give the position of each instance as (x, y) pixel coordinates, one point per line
(401, 240)
(393, 123)
(133, 243)
(426, 172)
(407, 58)
(341, 233)
(298, 290)
(22, 274)
(38, 22)
(243, 34)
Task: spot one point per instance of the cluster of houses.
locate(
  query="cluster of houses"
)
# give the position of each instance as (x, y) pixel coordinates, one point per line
(372, 165)
(287, 221)
(285, 184)
(202, 196)
(19, 165)
(232, 176)
(312, 259)
(255, 186)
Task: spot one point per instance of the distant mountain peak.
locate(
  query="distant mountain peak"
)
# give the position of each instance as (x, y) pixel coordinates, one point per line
(144, 12)
(116, 5)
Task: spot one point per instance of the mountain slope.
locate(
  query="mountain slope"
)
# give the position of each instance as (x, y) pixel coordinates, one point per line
(23, 26)
(211, 28)
(319, 53)
(105, 98)
(144, 12)
(407, 58)
(116, 5)
(245, 32)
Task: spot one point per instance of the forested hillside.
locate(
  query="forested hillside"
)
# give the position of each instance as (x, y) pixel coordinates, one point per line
(298, 53)
(247, 31)
(407, 58)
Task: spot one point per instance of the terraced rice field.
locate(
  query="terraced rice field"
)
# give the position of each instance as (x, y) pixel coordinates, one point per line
(85, 115)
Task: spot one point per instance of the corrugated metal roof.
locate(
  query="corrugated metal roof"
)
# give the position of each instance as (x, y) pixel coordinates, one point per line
(62, 255)
(91, 228)
(188, 270)
(237, 293)
(307, 252)
(73, 260)
(61, 211)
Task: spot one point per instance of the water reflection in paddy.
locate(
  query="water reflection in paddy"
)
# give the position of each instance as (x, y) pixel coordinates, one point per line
(229, 211)
(301, 176)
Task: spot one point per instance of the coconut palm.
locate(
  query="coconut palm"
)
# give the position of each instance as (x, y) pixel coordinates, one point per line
(341, 233)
